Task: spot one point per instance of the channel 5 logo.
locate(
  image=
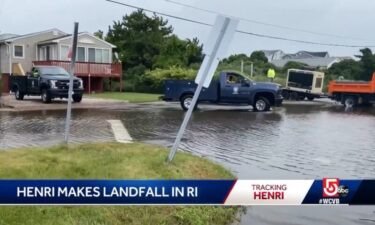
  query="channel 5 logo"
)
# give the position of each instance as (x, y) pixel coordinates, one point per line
(332, 188)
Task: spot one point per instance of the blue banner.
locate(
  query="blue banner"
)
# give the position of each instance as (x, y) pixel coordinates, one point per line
(114, 191)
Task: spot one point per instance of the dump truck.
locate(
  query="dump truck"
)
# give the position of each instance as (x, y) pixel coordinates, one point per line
(303, 84)
(351, 93)
(229, 89)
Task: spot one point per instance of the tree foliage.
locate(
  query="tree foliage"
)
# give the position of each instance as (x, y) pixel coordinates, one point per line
(147, 43)
(348, 68)
(354, 70)
(258, 56)
(158, 76)
(99, 34)
(293, 65)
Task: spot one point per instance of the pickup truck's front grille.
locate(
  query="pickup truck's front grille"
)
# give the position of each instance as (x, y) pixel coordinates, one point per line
(64, 84)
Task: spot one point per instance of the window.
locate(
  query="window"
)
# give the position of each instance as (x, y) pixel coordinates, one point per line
(98, 55)
(91, 54)
(81, 55)
(18, 51)
(106, 56)
(64, 52)
(233, 78)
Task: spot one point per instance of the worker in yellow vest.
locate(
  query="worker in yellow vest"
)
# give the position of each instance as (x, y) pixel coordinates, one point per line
(271, 74)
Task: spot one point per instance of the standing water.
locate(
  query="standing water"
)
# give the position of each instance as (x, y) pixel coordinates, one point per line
(294, 142)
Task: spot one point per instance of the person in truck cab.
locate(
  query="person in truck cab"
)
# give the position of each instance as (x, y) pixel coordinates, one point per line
(231, 79)
(35, 72)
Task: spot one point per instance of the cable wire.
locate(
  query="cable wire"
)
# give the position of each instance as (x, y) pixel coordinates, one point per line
(244, 32)
(266, 24)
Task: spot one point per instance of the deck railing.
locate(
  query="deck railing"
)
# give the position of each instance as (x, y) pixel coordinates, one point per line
(87, 68)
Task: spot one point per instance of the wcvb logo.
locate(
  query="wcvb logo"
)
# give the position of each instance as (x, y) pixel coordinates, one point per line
(331, 187)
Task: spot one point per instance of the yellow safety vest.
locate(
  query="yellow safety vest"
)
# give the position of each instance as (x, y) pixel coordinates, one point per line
(271, 73)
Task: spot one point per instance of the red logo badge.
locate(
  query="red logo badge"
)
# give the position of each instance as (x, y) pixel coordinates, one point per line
(331, 187)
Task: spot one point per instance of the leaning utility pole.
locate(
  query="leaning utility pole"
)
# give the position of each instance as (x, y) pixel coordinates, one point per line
(71, 75)
(219, 40)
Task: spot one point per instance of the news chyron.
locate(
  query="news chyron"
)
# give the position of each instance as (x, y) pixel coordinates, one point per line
(328, 191)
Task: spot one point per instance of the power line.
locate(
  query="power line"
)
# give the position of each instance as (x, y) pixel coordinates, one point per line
(245, 32)
(160, 13)
(266, 24)
(301, 41)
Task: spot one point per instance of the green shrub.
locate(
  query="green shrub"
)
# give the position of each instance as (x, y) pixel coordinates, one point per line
(157, 77)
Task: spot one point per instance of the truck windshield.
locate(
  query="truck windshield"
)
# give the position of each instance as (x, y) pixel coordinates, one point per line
(53, 71)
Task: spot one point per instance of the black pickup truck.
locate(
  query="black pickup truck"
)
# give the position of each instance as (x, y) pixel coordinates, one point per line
(231, 89)
(47, 81)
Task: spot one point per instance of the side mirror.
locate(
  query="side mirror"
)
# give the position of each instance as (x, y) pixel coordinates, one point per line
(246, 83)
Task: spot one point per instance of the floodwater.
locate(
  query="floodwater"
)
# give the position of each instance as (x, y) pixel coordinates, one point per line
(292, 142)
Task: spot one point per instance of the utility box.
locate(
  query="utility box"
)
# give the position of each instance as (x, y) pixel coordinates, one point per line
(302, 84)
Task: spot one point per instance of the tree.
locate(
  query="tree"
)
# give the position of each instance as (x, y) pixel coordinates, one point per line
(236, 58)
(145, 43)
(367, 61)
(258, 56)
(139, 38)
(99, 34)
(177, 52)
(293, 65)
(348, 68)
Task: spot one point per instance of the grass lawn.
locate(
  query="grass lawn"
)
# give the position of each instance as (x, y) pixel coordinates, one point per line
(128, 96)
(109, 161)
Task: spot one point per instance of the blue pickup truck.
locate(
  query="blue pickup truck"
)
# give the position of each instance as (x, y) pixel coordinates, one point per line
(230, 88)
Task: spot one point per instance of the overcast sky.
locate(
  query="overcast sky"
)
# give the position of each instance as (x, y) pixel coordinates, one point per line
(351, 19)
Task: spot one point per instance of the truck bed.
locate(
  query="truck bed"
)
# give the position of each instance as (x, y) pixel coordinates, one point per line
(20, 81)
(174, 89)
(343, 86)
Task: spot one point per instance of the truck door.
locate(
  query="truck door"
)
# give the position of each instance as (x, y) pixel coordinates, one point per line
(235, 89)
(33, 82)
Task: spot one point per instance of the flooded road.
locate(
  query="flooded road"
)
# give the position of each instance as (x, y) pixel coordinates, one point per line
(293, 142)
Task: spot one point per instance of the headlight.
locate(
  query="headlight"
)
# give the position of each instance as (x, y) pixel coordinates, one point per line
(81, 83)
(53, 83)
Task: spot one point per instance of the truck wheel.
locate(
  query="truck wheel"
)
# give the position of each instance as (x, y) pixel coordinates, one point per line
(46, 96)
(186, 102)
(19, 95)
(350, 101)
(294, 96)
(286, 95)
(310, 98)
(261, 104)
(77, 98)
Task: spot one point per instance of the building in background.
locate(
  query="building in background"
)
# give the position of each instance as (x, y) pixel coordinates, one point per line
(51, 47)
(313, 60)
(273, 54)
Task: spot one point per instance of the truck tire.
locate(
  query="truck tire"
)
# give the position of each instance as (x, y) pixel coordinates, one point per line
(186, 102)
(310, 98)
(18, 94)
(286, 95)
(77, 98)
(294, 96)
(350, 101)
(261, 104)
(46, 96)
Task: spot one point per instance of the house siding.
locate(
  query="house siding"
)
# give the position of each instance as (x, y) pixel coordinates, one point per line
(4, 58)
(30, 48)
